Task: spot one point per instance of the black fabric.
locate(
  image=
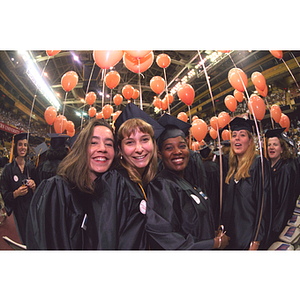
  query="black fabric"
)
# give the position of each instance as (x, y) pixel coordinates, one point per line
(174, 219)
(238, 123)
(242, 205)
(11, 180)
(46, 170)
(284, 195)
(114, 220)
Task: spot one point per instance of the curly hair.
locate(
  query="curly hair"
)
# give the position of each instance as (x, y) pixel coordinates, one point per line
(286, 153)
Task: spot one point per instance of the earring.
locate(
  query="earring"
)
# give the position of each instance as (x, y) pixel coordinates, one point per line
(121, 157)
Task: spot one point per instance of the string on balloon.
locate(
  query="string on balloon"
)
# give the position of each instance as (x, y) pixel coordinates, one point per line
(219, 139)
(140, 88)
(166, 85)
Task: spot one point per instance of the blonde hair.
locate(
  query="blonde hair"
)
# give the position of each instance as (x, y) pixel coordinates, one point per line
(242, 167)
(126, 129)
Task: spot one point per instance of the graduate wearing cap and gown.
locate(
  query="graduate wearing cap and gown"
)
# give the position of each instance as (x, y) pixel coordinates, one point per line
(179, 214)
(54, 155)
(195, 172)
(136, 134)
(18, 184)
(285, 180)
(247, 188)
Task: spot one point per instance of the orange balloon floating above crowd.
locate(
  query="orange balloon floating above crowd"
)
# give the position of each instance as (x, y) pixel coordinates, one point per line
(186, 94)
(138, 65)
(60, 124)
(157, 84)
(163, 60)
(199, 129)
(230, 103)
(112, 79)
(50, 114)
(106, 59)
(92, 111)
(69, 80)
(238, 79)
(275, 112)
(90, 98)
(257, 107)
(182, 116)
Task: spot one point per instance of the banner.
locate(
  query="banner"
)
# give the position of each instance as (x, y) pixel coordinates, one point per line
(9, 128)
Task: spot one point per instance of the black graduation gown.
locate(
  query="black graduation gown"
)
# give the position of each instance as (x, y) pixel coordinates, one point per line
(46, 170)
(284, 195)
(178, 215)
(66, 219)
(11, 180)
(242, 206)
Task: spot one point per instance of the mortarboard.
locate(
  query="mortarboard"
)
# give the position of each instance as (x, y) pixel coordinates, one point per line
(277, 132)
(240, 124)
(57, 140)
(132, 111)
(40, 149)
(70, 142)
(173, 128)
(20, 136)
(205, 151)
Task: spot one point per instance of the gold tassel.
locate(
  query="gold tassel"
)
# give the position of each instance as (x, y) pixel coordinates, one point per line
(12, 148)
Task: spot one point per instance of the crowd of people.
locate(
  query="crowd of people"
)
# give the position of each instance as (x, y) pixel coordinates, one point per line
(138, 186)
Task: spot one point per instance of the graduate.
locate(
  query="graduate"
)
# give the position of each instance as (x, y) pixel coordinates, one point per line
(136, 134)
(18, 184)
(87, 204)
(284, 180)
(179, 215)
(246, 190)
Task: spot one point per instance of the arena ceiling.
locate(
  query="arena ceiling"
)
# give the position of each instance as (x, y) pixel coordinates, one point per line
(19, 91)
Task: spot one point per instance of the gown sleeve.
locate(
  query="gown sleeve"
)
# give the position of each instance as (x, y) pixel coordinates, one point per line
(163, 223)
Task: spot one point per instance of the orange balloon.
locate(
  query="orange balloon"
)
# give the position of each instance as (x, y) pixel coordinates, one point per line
(71, 133)
(257, 107)
(164, 104)
(239, 96)
(238, 79)
(182, 116)
(118, 99)
(138, 65)
(223, 119)
(213, 133)
(263, 92)
(163, 60)
(127, 91)
(284, 122)
(69, 81)
(135, 94)
(60, 124)
(199, 129)
(112, 79)
(90, 98)
(195, 118)
(275, 113)
(99, 115)
(195, 146)
(52, 52)
(170, 98)
(258, 80)
(225, 135)
(230, 103)
(92, 111)
(70, 126)
(138, 53)
(186, 94)
(214, 123)
(157, 102)
(277, 53)
(50, 114)
(157, 84)
(107, 111)
(106, 59)
(116, 114)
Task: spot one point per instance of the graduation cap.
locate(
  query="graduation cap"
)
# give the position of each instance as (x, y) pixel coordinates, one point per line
(226, 143)
(205, 151)
(288, 139)
(173, 128)
(240, 124)
(40, 149)
(20, 136)
(132, 111)
(277, 132)
(70, 142)
(57, 140)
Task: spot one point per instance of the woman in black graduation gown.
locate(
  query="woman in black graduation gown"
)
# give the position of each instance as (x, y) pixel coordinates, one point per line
(18, 185)
(284, 180)
(246, 190)
(86, 206)
(179, 215)
(136, 134)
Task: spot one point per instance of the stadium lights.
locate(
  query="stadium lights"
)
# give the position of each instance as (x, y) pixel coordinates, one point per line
(36, 77)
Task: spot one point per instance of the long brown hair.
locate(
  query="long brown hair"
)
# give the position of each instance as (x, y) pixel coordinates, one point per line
(74, 168)
(242, 167)
(126, 129)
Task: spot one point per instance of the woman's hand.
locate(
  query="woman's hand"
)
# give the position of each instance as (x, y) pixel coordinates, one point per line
(31, 184)
(21, 191)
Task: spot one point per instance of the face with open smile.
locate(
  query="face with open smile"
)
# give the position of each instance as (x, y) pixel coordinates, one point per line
(22, 148)
(138, 150)
(175, 154)
(101, 151)
(240, 142)
(274, 149)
